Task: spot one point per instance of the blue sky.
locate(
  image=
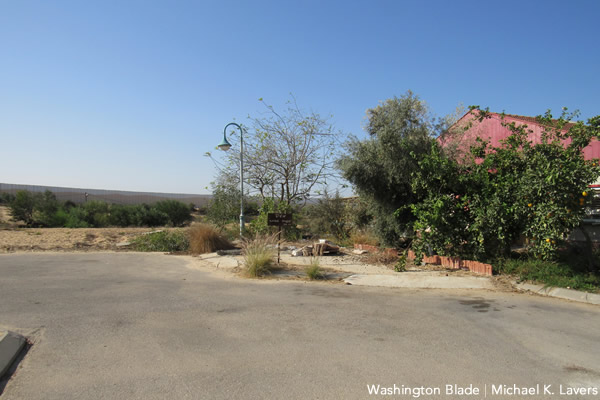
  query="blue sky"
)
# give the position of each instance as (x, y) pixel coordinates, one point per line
(129, 95)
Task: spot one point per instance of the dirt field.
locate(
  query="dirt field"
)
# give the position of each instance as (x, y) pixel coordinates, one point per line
(65, 239)
(14, 237)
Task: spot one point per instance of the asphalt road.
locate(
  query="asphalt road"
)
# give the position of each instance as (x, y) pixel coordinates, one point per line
(145, 326)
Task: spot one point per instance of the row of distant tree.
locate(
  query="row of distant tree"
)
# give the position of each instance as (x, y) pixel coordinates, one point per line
(44, 210)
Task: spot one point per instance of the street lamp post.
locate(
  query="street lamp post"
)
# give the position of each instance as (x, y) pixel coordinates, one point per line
(225, 145)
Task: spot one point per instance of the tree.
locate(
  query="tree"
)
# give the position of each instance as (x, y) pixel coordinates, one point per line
(288, 155)
(329, 215)
(22, 207)
(224, 206)
(400, 130)
(477, 208)
(178, 212)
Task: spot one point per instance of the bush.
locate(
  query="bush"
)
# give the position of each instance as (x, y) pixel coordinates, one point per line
(45, 208)
(328, 216)
(144, 215)
(477, 208)
(313, 270)
(76, 218)
(6, 198)
(381, 258)
(96, 213)
(224, 206)
(178, 213)
(122, 215)
(22, 207)
(364, 237)
(552, 273)
(260, 224)
(175, 241)
(258, 255)
(205, 238)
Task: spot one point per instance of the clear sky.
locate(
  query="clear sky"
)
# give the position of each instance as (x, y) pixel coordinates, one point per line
(129, 95)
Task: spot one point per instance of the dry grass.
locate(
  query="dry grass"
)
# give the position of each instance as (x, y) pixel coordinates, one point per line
(364, 238)
(381, 258)
(313, 270)
(205, 238)
(258, 255)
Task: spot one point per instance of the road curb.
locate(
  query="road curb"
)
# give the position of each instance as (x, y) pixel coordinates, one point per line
(10, 345)
(420, 281)
(569, 294)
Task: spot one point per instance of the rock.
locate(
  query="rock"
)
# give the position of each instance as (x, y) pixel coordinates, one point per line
(359, 252)
(123, 244)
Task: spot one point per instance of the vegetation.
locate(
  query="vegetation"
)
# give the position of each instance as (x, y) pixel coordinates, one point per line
(380, 167)
(258, 255)
(313, 270)
(288, 154)
(165, 241)
(224, 207)
(476, 205)
(477, 209)
(329, 216)
(6, 198)
(43, 209)
(260, 224)
(205, 238)
(561, 273)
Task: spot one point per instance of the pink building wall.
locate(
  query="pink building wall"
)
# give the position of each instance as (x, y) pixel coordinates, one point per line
(491, 129)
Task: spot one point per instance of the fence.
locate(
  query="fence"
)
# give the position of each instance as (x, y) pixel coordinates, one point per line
(78, 195)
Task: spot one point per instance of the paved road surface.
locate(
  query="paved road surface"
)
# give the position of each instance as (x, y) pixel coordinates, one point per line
(144, 326)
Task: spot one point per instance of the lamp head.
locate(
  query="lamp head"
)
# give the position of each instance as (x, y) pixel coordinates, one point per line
(224, 145)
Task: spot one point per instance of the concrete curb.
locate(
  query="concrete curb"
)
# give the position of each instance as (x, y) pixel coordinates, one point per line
(420, 281)
(569, 294)
(10, 345)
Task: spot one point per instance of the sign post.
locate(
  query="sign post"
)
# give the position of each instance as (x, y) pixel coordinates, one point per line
(279, 220)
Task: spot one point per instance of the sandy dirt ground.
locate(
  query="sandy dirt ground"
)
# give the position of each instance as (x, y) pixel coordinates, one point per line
(15, 237)
(66, 239)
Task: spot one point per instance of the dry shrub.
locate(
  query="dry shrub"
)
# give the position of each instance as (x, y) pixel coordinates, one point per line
(382, 258)
(313, 270)
(204, 238)
(364, 238)
(258, 255)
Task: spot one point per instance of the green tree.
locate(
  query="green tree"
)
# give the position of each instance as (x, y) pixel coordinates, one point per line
(224, 207)
(178, 212)
(478, 207)
(22, 207)
(329, 216)
(401, 131)
(46, 207)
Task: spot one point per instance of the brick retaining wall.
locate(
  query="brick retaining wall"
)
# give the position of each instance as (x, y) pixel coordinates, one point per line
(448, 262)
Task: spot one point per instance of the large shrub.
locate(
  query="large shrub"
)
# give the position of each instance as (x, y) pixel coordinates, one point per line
(22, 207)
(166, 241)
(178, 213)
(260, 224)
(478, 208)
(205, 238)
(329, 216)
(380, 167)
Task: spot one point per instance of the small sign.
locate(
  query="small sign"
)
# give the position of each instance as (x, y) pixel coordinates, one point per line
(277, 219)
